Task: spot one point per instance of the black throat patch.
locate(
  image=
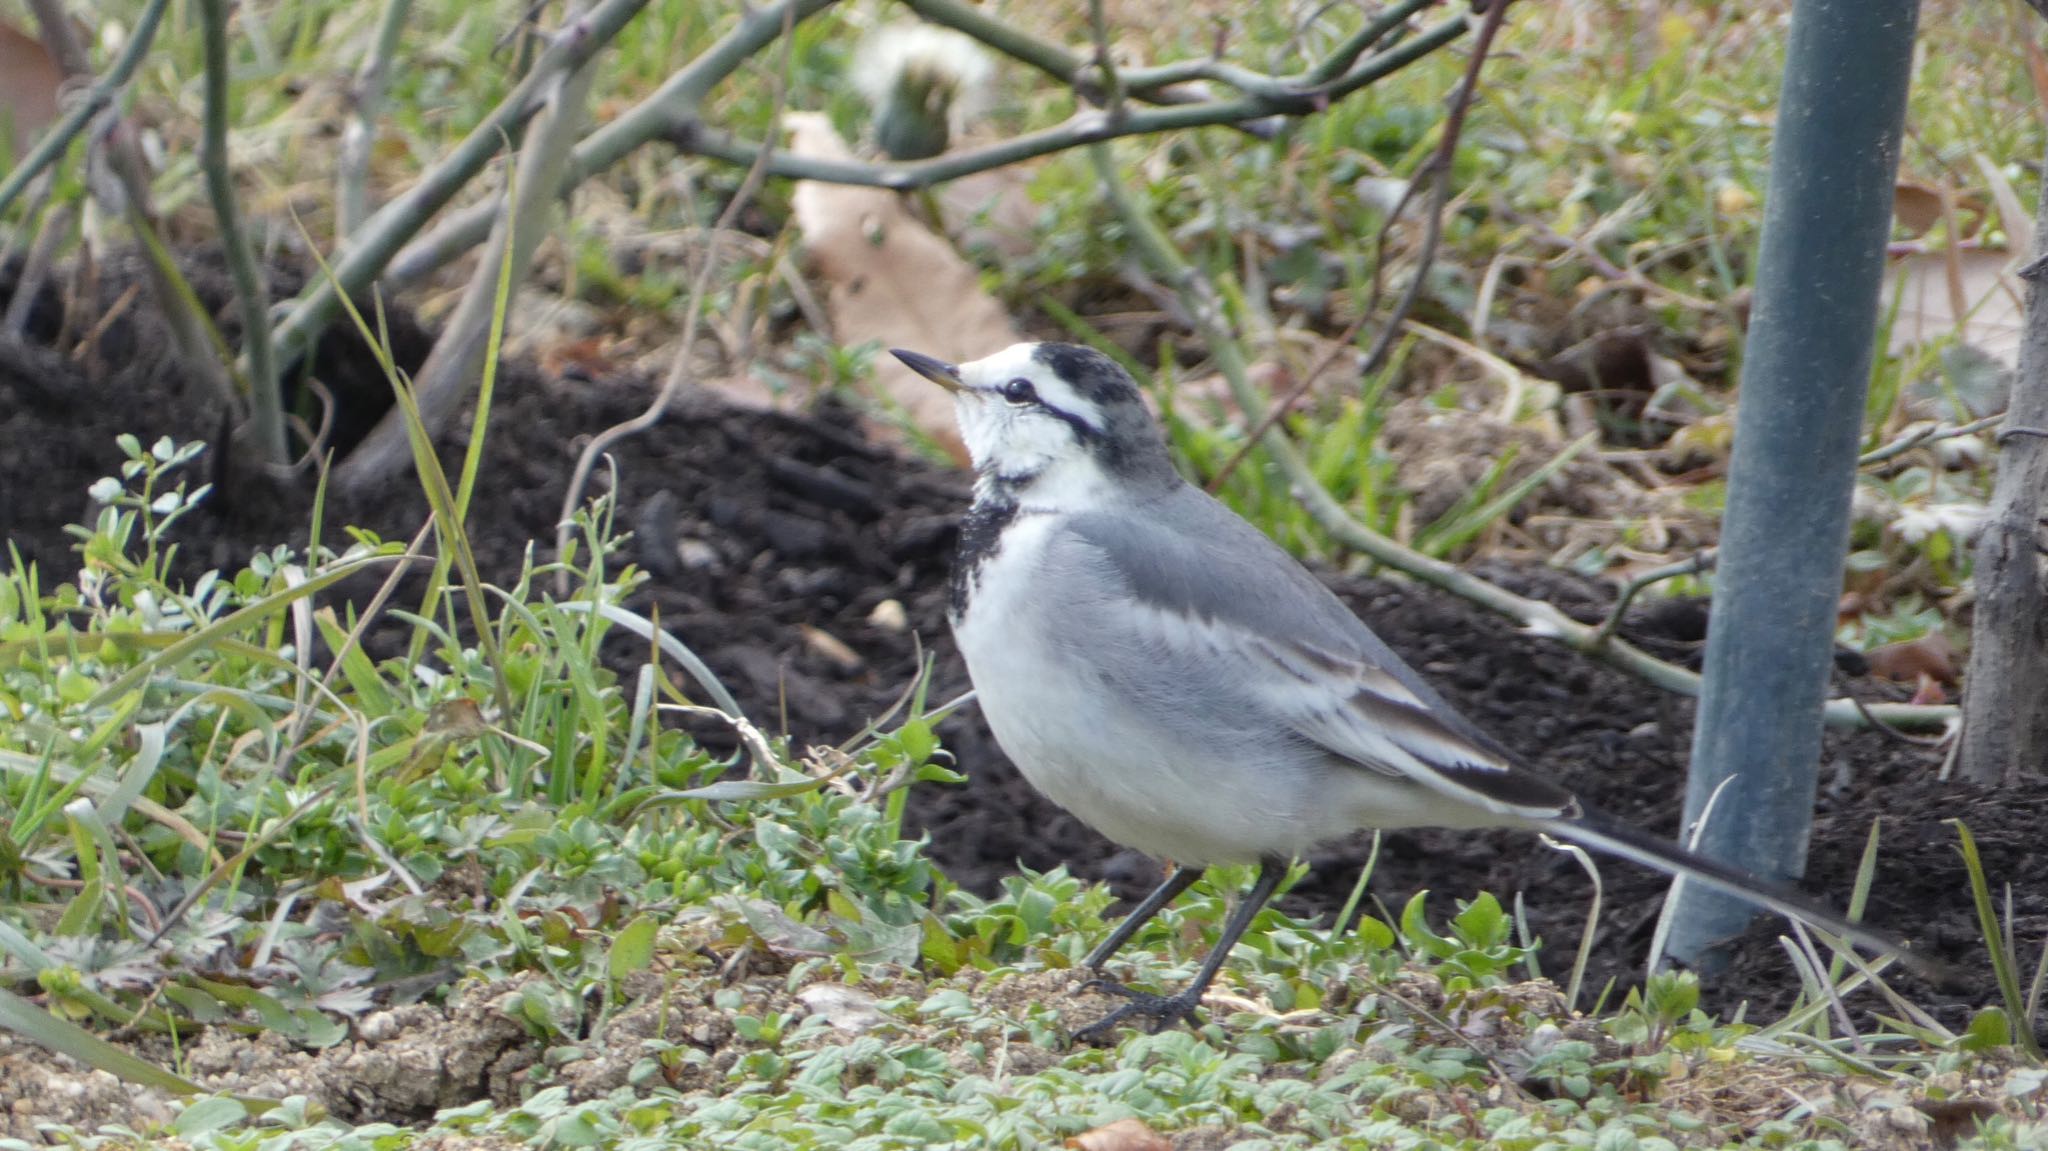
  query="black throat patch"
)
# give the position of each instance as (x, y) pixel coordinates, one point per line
(981, 537)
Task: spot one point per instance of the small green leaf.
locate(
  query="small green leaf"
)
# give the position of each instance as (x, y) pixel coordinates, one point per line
(1672, 995)
(918, 741)
(73, 686)
(1482, 924)
(1415, 929)
(1375, 935)
(1989, 1030)
(208, 1115)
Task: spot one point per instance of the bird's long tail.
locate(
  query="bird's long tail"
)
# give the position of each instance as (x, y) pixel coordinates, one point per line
(1616, 838)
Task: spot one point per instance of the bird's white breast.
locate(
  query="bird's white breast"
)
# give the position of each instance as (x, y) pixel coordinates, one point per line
(1073, 693)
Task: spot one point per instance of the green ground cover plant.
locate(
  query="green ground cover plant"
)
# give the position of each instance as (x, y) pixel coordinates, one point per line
(669, 944)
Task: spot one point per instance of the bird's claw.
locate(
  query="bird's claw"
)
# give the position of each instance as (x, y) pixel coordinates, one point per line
(1158, 1011)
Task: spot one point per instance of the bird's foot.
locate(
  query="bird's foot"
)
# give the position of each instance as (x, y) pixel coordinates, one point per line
(1158, 1012)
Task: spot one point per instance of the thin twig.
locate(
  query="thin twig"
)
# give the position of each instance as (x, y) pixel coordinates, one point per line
(372, 613)
(671, 112)
(1700, 561)
(1930, 434)
(86, 106)
(1286, 404)
(145, 908)
(445, 379)
(380, 236)
(1879, 723)
(679, 372)
(315, 438)
(266, 410)
(192, 334)
(1105, 63)
(1436, 169)
(36, 268)
(366, 100)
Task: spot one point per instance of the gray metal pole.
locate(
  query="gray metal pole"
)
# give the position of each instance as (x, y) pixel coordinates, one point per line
(1805, 375)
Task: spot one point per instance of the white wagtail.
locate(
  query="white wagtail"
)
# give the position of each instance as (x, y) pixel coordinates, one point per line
(1158, 667)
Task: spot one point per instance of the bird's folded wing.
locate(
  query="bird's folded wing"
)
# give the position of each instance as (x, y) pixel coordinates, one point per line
(1191, 576)
(1365, 715)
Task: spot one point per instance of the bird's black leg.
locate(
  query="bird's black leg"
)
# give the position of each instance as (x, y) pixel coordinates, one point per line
(1163, 1011)
(1181, 879)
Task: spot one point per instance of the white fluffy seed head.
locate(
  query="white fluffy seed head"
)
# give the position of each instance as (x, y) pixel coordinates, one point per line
(924, 85)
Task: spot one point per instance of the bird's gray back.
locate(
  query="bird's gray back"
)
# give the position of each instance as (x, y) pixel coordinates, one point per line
(1185, 552)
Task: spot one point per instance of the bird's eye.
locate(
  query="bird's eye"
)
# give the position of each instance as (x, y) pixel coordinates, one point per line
(1020, 392)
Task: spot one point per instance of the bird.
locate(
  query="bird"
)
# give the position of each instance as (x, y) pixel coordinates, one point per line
(1158, 667)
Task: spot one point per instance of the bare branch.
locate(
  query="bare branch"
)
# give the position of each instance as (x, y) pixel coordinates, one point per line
(443, 380)
(662, 114)
(266, 409)
(192, 333)
(1931, 434)
(366, 99)
(1202, 303)
(1086, 128)
(1164, 83)
(1700, 561)
(380, 236)
(94, 100)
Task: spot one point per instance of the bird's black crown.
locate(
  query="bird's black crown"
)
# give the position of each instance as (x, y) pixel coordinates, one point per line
(1129, 442)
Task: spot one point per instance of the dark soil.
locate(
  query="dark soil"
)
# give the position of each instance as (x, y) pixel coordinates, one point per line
(762, 526)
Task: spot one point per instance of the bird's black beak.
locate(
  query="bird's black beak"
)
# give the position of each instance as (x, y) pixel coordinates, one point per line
(937, 371)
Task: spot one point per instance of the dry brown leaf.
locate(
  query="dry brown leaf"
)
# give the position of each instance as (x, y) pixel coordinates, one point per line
(592, 357)
(29, 80)
(1122, 1135)
(1916, 207)
(1968, 292)
(1929, 692)
(1931, 657)
(891, 279)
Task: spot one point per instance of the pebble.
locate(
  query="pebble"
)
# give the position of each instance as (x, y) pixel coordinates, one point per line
(889, 616)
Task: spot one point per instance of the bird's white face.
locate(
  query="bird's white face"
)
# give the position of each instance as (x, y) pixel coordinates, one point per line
(1026, 429)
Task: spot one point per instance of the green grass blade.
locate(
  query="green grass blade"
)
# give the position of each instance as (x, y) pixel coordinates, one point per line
(210, 635)
(66, 1038)
(2003, 964)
